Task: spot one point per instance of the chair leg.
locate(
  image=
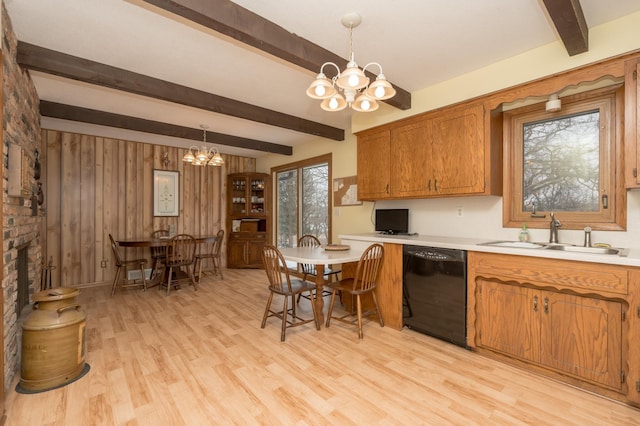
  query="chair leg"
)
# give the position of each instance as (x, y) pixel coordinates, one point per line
(154, 265)
(144, 280)
(266, 311)
(375, 302)
(304, 278)
(217, 268)
(199, 269)
(193, 279)
(313, 308)
(359, 308)
(115, 281)
(196, 265)
(284, 317)
(293, 306)
(169, 280)
(333, 295)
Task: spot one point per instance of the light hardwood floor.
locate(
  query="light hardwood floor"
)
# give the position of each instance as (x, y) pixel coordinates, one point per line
(200, 358)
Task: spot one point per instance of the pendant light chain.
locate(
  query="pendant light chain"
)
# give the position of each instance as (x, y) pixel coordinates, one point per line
(351, 42)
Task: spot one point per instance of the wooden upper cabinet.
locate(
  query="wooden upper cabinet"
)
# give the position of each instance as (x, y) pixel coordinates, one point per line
(632, 129)
(373, 165)
(458, 151)
(410, 160)
(441, 153)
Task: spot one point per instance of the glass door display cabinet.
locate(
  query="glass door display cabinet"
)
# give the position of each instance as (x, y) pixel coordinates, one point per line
(249, 218)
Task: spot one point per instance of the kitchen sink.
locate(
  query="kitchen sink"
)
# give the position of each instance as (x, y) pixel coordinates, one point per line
(559, 247)
(514, 244)
(593, 250)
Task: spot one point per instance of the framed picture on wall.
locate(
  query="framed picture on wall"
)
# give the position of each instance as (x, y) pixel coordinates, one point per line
(166, 193)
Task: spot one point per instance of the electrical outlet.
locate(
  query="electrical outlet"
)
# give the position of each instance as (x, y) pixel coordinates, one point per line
(459, 211)
(103, 263)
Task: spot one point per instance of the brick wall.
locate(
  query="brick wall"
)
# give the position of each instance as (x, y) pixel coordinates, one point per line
(21, 126)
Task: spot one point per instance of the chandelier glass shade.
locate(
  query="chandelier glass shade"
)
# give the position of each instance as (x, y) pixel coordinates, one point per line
(203, 156)
(350, 87)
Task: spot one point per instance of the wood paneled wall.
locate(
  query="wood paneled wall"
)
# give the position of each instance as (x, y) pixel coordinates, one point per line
(97, 186)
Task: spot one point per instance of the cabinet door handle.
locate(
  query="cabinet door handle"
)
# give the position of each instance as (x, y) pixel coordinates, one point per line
(546, 305)
(386, 188)
(435, 185)
(429, 185)
(535, 303)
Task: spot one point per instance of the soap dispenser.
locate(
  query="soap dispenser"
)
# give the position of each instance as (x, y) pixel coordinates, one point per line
(524, 233)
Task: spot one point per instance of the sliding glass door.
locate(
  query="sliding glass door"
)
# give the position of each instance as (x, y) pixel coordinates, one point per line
(303, 203)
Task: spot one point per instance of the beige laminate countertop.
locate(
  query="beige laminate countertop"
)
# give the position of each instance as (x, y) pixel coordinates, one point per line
(472, 244)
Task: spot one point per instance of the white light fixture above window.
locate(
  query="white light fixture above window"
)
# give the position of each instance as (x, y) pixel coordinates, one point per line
(553, 104)
(203, 156)
(358, 93)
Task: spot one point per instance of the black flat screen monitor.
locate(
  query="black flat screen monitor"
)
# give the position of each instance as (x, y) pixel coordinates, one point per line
(392, 221)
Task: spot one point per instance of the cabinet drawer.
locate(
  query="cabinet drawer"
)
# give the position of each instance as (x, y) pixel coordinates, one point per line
(557, 273)
(248, 236)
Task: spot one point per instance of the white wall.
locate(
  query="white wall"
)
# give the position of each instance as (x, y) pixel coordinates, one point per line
(482, 216)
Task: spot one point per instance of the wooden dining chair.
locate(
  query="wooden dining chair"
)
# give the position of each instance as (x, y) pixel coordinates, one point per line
(214, 254)
(180, 254)
(122, 266)
(157, 253)
(364, 282)
(309, 270)
(281, 283)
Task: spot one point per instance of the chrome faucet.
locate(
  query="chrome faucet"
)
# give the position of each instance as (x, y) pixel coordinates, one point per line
(553, 229)
(587, 236)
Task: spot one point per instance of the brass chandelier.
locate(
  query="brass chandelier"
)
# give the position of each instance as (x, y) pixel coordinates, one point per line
(203, 156)
(352, 82)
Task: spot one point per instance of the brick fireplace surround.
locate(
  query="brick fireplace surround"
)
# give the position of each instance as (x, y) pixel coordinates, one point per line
(20, 126)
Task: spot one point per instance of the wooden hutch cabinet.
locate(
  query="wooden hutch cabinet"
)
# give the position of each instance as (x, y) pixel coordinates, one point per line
(248, 218)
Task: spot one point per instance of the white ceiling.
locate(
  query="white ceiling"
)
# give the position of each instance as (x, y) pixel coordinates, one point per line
(418, 43)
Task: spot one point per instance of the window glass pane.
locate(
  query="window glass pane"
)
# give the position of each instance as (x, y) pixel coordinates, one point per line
(287, 201)
(315, 200)
(561, 168)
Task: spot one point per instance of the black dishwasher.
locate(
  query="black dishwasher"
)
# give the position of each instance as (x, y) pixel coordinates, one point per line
(435, 292)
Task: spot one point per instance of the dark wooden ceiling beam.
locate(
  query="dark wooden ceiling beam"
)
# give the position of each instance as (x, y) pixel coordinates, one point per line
(85, 115)
(568, 18)
(60, 64)
(232, 20)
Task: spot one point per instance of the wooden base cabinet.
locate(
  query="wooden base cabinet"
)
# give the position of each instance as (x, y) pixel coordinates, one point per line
(580, 336)
(571, 320)
(245, 251)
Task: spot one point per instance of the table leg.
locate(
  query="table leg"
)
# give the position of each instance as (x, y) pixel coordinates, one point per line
(319, 299)
(156, 276)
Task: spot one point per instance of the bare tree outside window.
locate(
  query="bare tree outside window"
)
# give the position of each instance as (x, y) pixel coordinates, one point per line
(287, 208)
(568, 162)
(561, 164)
(315, 197)
(302, 200)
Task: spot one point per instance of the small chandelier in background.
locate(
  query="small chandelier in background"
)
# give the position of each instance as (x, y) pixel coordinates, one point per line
(358, 93)
(203, 156)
